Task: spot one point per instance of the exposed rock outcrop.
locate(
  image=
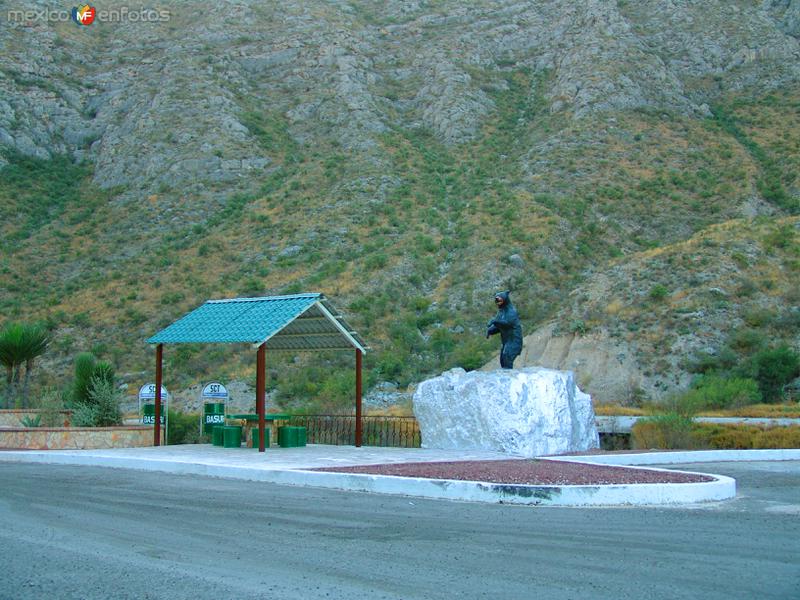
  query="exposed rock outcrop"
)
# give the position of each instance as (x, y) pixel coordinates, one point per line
(529, 412)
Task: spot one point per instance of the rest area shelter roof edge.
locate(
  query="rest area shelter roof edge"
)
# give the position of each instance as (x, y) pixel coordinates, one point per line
(293, 323)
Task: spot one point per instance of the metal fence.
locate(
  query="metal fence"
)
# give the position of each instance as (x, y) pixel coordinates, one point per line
(340, 430)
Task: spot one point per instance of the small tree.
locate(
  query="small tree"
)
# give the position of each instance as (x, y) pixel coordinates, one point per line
(105, 402)
(102, 408)
(773, 369)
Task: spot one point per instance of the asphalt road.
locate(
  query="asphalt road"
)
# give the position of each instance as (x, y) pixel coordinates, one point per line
(95, 533)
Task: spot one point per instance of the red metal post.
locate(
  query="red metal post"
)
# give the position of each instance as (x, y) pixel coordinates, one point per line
(358, 398)
(157, 424)
(261, 376)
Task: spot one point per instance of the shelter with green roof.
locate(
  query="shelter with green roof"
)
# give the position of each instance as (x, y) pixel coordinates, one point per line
(292, 323)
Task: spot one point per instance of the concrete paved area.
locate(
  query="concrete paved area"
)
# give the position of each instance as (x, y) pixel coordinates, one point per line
(274, 458)
(94, 533)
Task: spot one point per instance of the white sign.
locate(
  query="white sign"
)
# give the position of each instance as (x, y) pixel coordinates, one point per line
(148, 392)
(214, 391)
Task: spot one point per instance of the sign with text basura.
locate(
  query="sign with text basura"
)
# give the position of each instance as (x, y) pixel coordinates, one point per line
(147, 395)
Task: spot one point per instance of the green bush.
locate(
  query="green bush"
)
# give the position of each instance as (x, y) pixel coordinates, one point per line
(705, 362)
(376, 261)
(315, 388)
(102, 408)
(773, 369)
(715, 392)
(747, 340)
(668, 431)
(658, 292)
(338, 388)
(183, 428)
(473, 352)
(577, 327)
(84, 369)
(105, 401)
(90, 372)
(390, 366)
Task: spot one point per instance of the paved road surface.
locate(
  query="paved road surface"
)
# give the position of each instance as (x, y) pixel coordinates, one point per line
(94, 533)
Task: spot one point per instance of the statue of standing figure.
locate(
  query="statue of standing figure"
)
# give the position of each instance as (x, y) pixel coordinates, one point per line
(506, 323)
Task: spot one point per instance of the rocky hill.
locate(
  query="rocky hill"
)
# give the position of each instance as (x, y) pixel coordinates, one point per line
(407, 158)
(642, 326)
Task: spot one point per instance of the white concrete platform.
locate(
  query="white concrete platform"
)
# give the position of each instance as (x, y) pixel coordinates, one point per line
(290, 466)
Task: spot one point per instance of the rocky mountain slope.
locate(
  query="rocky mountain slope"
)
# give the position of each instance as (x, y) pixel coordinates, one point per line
(645, 324)
(407, 158)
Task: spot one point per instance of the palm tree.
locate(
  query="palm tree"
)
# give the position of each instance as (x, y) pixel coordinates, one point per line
(20, 345)
(36, 340)
(10, 339)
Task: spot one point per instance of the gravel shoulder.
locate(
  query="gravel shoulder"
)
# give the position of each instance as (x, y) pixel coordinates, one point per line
(524, 472)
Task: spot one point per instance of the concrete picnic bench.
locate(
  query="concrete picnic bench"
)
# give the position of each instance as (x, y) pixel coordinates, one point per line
(249, 423)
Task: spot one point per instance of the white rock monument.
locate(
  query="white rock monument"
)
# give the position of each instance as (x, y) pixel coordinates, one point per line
(527, 412)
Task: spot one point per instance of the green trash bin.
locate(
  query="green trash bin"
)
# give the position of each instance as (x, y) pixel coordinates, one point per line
(254, 439)
(213, 414)
(232, 436)
(287, 436)
(291, 437)
(217, 435)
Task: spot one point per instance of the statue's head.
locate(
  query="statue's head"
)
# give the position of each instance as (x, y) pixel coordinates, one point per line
(501, 299)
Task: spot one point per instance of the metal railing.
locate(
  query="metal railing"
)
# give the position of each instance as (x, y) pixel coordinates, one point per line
(340, 430)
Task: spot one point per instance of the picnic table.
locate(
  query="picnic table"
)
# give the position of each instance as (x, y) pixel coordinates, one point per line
(249, 422)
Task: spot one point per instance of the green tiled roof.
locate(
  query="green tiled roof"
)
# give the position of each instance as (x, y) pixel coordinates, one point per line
(296, 322)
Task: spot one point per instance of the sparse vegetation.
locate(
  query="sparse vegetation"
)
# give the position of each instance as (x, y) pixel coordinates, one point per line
(183, 428)
(102, 408)
(94, 397)
(714, 392)
(673, 432)
(407, 230)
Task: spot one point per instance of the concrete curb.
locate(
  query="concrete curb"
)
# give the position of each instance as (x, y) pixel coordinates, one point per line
(721, 488)
(693, 456)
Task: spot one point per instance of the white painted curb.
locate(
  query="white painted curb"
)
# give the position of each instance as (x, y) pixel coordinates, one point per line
(642, 494)
(721, 488)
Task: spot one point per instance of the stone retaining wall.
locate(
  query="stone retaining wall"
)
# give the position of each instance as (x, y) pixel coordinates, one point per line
(76, 438)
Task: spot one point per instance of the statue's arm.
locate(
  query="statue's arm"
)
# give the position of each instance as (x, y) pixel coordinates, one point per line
(504, 319)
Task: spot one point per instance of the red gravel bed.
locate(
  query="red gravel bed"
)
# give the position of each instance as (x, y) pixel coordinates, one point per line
(524, 471)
